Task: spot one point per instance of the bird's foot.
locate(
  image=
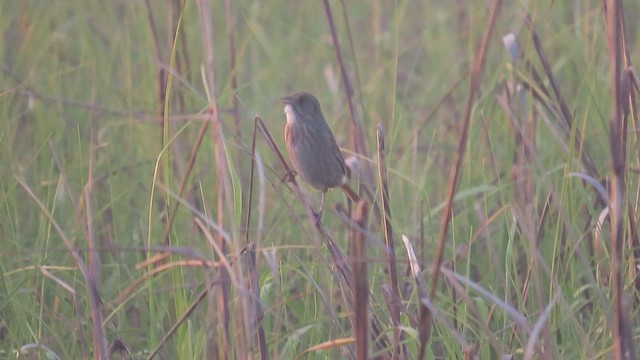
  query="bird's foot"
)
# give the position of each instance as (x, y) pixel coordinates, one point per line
(318, 217)
(289, 177)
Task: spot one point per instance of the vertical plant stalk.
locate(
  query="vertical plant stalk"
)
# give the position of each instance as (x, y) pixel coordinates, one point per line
(475, 76)
(474, 84)
(233, 69)
(356, 71)
(93, 278)
(251, 176)
(390, 248)
(356, 131)
(162, 75)
(256, 306)
(630, 84)
(179, 65)
(242, 343)
(185, 178)
(360, 282)
(198, 142)
(162, 93)
(622, 341)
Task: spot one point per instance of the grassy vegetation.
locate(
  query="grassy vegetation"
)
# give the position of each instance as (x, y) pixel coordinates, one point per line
(145, 212)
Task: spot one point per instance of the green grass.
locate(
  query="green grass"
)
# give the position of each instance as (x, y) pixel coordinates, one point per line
(80, 126)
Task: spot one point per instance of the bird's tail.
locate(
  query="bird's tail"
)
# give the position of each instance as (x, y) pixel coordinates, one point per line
(352, 195)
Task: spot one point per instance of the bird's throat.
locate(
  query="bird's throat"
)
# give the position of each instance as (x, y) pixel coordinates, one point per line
(290, 114)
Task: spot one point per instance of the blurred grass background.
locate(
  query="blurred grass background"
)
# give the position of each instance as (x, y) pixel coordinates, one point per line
(83, 124)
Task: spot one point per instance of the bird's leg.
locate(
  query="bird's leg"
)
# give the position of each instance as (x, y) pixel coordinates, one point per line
(319, 213)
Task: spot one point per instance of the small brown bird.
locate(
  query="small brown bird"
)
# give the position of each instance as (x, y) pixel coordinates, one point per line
(314, 154)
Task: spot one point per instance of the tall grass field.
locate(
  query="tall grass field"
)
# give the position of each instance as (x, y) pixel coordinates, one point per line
(149, 209)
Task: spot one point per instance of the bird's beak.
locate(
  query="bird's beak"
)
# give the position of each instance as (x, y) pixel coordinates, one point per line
(287, 100)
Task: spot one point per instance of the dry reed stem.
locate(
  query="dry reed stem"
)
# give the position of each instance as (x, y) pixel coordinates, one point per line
(251, 175)
(183, 182)
(162, 75)
(474, 84)
(623, 344)
(390, 251)
(360, 284)
(630, 84)
(180, 45)
(242, 343)
(354, 59)
(257, 313)
(233, 69)
(93, 280)
(359, 142)
(229, 276)
(162, 81)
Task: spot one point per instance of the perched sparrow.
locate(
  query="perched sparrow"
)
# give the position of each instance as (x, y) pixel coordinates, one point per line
(314, 154)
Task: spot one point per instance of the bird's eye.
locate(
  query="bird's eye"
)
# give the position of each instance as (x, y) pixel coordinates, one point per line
(308, 106)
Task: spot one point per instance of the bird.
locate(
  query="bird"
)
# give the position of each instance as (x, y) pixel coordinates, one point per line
(312, 148)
